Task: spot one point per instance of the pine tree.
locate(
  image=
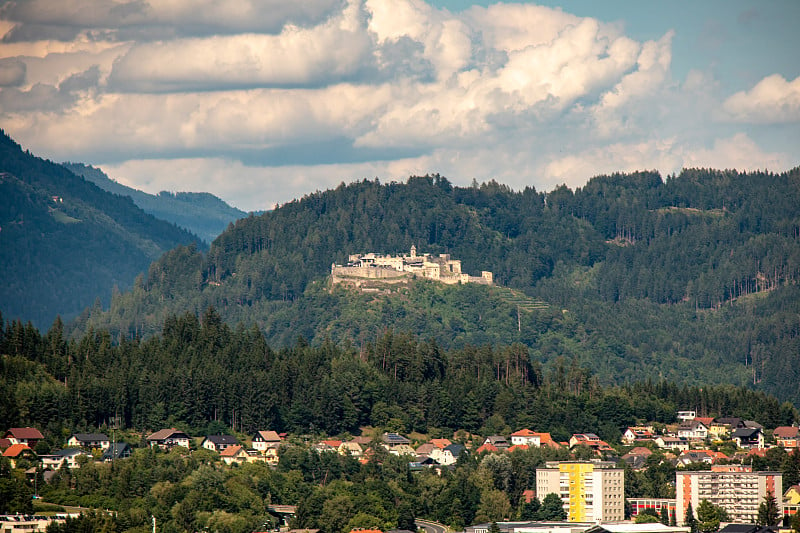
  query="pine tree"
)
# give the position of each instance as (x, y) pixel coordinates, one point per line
(664, 519)
(768, 514)
(690, 521)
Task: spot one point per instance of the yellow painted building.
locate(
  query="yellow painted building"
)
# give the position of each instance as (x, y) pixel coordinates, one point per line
(590, 490)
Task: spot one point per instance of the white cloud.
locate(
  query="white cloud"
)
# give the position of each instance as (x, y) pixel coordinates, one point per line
(327, 53)
(738, 152)
(263, 101)
(772, 100)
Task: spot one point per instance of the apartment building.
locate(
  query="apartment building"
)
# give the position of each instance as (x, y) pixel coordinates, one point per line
(591, 491)
(735, 488)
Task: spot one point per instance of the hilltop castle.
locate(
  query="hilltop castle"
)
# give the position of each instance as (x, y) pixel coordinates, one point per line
(398, 268)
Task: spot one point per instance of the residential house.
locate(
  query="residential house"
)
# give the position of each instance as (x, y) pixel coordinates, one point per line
(685, 416)
(263, 440)
(637, 434)
(637, 457)
(425, 449)
(89, 440)
(786, 436)
(449, 455)
(693, 430)
(718, 431)
(526, 436)
(393, 440)
(699, 456)
(17, 452)
(671, 443)
(351, 448)
(707, 420)
(441, 443)
(118, 450)
(168, 438)
(234, 453)
(27, 436)
(732, 422)
(404, 449)
(271, 455)
(517, 447)
(64, 458)
(499, 442)
(218, 443)
(546, 440)
(748, 437)
(590, 440)
(791, 501)
(329, 445)
(487, 447)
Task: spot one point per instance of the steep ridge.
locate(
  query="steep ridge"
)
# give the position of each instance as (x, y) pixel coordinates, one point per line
(65, 242)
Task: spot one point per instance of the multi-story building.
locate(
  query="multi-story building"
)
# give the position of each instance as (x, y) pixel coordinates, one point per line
(735, 488)
(591, 491)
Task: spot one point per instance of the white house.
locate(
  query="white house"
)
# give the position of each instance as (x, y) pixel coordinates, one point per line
(90, 440)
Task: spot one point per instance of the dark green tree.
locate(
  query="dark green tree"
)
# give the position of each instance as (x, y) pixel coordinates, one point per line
(552, 508)
(768, 512)
(690, 521)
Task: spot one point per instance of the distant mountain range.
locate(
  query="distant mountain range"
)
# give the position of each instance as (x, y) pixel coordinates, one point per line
(202, 213)
(65, 242)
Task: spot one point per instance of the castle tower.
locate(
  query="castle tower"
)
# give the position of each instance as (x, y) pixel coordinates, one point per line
(413, 251)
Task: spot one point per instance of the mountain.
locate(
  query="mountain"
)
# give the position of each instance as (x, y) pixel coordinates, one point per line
(692, 278)
(201, 213)
(65, 242)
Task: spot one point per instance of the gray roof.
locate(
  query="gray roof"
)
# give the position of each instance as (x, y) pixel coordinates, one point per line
(90, 437)
(222, 439)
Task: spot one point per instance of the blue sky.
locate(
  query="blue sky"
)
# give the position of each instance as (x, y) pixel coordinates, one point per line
(260, 102)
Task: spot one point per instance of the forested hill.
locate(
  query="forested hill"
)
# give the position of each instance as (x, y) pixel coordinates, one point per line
(691, 278)
(202, 213)
(65, 242)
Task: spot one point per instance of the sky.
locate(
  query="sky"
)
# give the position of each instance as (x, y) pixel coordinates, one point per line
(263, 101)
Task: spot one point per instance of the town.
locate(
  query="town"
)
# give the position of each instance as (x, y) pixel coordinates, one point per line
(715, 463)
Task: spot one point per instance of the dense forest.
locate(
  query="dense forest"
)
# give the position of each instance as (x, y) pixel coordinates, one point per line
(201, 213)
(65, 242)
(690, 279)
(201, 371)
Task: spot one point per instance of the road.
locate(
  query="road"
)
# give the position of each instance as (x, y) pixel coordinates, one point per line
(431, 527)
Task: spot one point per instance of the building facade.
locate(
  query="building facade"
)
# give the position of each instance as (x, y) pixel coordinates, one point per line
(397, 268)
(735, 488)
(590, 491)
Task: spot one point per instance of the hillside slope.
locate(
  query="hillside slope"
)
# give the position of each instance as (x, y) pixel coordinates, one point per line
(65, 242)
(693, 278)
(202, 213)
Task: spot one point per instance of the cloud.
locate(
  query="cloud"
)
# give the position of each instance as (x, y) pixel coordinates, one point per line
(297, 57)
(643, 83)
(738, 152)
(12, 72)
(772, 100)
(665, 155)
(157, 19)
(261, 101)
